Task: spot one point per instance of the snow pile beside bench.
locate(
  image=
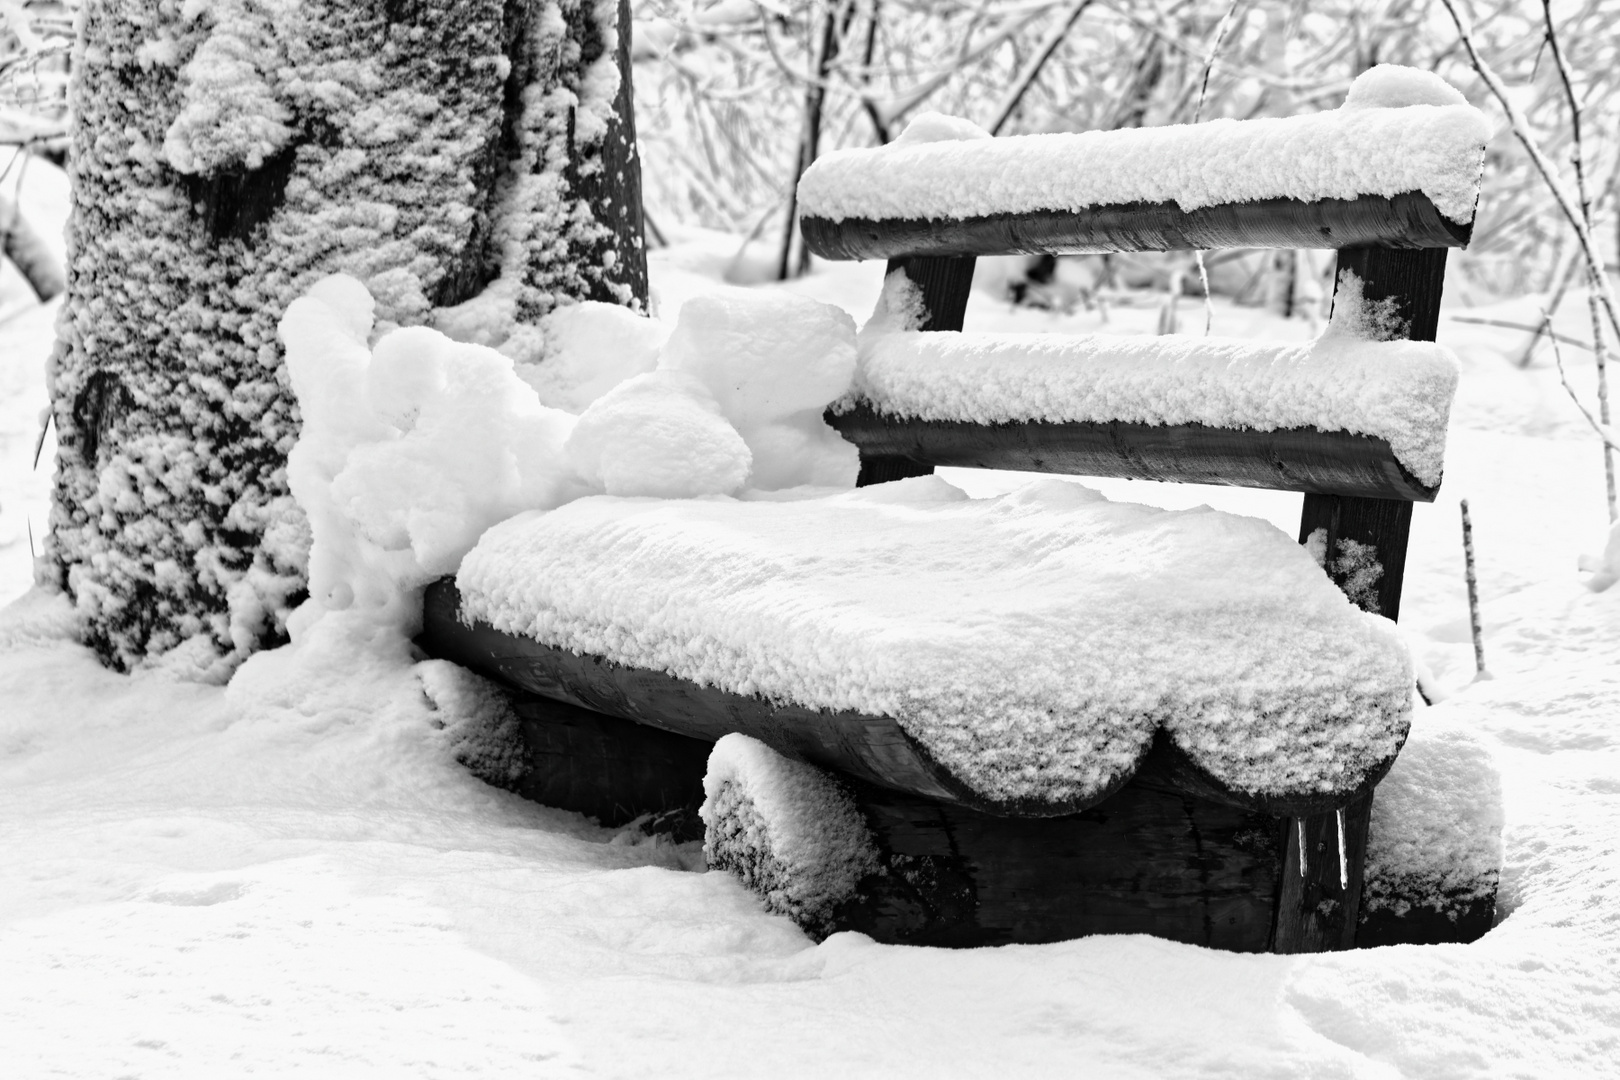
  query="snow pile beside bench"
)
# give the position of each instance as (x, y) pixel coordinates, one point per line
(1398, 131)
(1032, 643)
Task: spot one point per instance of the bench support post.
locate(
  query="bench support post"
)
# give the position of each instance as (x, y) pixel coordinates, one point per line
(945, 283)
(1363, 542)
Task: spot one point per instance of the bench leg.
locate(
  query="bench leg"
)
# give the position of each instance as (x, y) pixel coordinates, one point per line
(945, 284)
(1319, 903)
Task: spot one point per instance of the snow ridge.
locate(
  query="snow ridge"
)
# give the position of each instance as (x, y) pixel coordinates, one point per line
(1367, 147)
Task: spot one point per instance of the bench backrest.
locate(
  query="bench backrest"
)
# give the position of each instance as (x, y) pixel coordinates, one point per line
(972, 198)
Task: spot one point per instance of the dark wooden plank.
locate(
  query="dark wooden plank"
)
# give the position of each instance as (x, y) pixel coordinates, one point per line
(1425, 926)
(945, 285)
(1288, 459)
(1317, 910)
(872, 748)
(1151, 859)
(1382, 525)
(1314, 912)
(610, 769)
(1408, 220)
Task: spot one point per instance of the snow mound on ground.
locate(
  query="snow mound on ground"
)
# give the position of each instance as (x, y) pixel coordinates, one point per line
(407, 451)
(773, 362)
(787, 829)
(1605, 568)
(659, 434)
(1033, 643)
(1436, 835)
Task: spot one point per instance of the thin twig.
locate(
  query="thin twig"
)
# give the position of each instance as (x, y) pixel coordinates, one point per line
(1032, 70)
(1539, 331)
(1578, 218)
(1549, 173)
(1603, 430)
(1595, 273)
(1221, 29)
(1473, 590)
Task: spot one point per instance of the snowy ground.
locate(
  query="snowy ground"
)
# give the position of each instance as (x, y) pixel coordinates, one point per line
(287, 876)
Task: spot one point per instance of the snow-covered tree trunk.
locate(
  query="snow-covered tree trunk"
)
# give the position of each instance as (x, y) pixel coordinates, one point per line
(472, 161)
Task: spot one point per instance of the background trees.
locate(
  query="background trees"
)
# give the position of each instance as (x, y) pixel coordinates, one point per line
(725, 88)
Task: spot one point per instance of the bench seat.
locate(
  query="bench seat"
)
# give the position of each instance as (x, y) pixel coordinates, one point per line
(1016, 654)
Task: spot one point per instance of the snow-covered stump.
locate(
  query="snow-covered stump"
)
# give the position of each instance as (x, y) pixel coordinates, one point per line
(227, 155)
(789, 831)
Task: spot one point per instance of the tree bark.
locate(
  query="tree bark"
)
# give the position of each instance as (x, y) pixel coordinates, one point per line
(427, 147)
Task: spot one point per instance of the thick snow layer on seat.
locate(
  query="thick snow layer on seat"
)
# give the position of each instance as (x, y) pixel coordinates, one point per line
(1033, 643)
(1399, 391)
(1390, 137)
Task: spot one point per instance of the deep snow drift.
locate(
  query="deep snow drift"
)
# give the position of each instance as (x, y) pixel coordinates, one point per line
(291, 876)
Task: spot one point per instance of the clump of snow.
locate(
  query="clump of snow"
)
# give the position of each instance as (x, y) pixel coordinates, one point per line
(900, 307)
(773, 362)
(1436, 149)
(1359, 319)
(927, 127)
(1033, 643)
(660, 434)
(1393, 86)
(1436, 835)
(1399, 391)
(589, 348)
(1356, 568)
(408, 451)
(788, 830)
(230, 116)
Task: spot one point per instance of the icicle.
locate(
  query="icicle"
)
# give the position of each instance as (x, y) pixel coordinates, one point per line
(1301, 823)
(1344, 873)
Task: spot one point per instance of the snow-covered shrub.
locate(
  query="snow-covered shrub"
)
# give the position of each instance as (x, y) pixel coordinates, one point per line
(788, 830)
(1605, 568)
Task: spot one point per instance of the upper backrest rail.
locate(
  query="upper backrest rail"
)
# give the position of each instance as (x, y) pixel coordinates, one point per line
(1361, 175)
(1409, 220)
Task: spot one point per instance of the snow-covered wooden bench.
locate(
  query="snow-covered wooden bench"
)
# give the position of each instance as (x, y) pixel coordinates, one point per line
(964, 722)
